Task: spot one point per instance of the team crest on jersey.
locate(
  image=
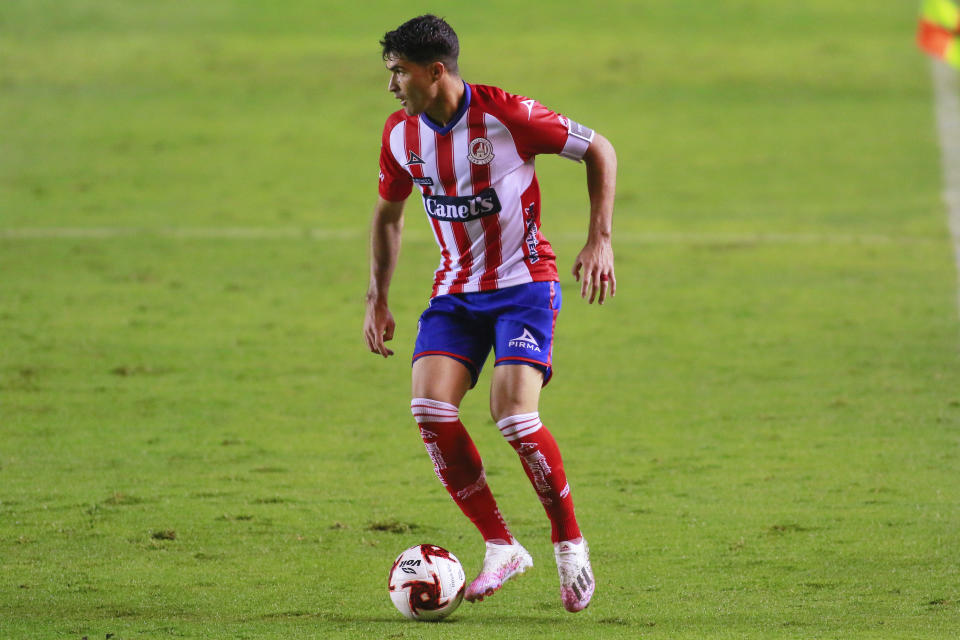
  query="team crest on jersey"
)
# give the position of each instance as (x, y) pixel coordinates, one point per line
(480, 151)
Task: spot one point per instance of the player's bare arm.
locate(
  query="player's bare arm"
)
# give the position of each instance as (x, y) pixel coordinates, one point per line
(596, 257)
(385, 234)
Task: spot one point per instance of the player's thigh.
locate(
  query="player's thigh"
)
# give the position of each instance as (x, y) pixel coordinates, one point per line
(441, 378)
(515, 389)
(449, 333)
(523, 337)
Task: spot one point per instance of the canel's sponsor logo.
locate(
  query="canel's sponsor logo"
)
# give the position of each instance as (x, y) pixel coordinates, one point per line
(524, 341)
(462, 208)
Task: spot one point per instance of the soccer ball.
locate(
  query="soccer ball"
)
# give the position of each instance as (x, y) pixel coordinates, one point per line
(426, 582)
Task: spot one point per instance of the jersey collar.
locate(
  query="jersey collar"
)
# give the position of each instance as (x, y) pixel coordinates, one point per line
(456, 117)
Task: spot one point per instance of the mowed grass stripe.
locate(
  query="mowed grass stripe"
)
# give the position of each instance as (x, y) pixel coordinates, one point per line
(268, 233)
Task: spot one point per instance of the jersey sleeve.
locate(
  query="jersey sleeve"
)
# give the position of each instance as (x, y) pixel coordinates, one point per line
(538, 130)
(395, 182)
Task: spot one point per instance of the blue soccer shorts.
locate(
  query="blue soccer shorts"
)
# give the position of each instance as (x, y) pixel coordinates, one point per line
(518, 322)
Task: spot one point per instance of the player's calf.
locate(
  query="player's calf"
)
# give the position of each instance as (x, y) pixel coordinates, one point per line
(457, 464)
(543, 465)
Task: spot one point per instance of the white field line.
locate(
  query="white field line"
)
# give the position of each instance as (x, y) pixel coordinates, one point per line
(270, 233)
(948, 126)
(746, 238)
(242, 233)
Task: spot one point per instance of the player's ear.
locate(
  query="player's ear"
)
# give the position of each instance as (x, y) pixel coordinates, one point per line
(437, 69)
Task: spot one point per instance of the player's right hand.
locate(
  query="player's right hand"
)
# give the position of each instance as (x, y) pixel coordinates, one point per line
(378, 327)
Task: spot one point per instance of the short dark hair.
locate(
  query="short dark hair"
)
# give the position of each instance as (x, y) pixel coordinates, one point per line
(423, 40)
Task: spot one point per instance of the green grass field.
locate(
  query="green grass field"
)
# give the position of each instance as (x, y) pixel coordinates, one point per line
(762, 429)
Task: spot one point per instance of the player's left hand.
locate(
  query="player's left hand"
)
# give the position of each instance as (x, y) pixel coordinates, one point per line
(596, 260)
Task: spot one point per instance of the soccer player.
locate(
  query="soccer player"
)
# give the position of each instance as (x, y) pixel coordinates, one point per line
(470, 150)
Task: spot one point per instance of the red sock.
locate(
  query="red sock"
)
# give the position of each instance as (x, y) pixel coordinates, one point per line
(458, 465)
(544, 466)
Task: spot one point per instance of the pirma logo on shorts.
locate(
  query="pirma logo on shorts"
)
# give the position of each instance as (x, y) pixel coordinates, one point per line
(525, 341)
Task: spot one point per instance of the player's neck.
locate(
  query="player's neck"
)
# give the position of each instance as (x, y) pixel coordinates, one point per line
(449, 98)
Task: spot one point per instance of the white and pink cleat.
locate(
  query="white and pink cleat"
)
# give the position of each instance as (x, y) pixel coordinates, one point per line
(576, 576)
(500, 563)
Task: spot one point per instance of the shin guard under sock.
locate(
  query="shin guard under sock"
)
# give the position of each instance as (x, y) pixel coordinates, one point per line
(457, 463)
(541, 460)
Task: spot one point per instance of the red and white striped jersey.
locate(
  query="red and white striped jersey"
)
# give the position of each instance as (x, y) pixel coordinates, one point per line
(480, 191)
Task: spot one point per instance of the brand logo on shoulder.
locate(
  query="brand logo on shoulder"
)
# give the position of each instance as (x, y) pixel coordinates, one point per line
(480, 151)
(525, 341)
(424, 182)
(414, 159)
(462, 208)
(529, 105)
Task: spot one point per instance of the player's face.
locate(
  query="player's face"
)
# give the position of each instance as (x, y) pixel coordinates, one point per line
(412, 84)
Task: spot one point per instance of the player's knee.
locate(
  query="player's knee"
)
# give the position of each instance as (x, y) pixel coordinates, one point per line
(514, 427)
(506, 403)
(515, 389)
(425, 410)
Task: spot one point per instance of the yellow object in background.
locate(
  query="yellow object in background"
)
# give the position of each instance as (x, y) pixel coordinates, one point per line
(939, 31)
